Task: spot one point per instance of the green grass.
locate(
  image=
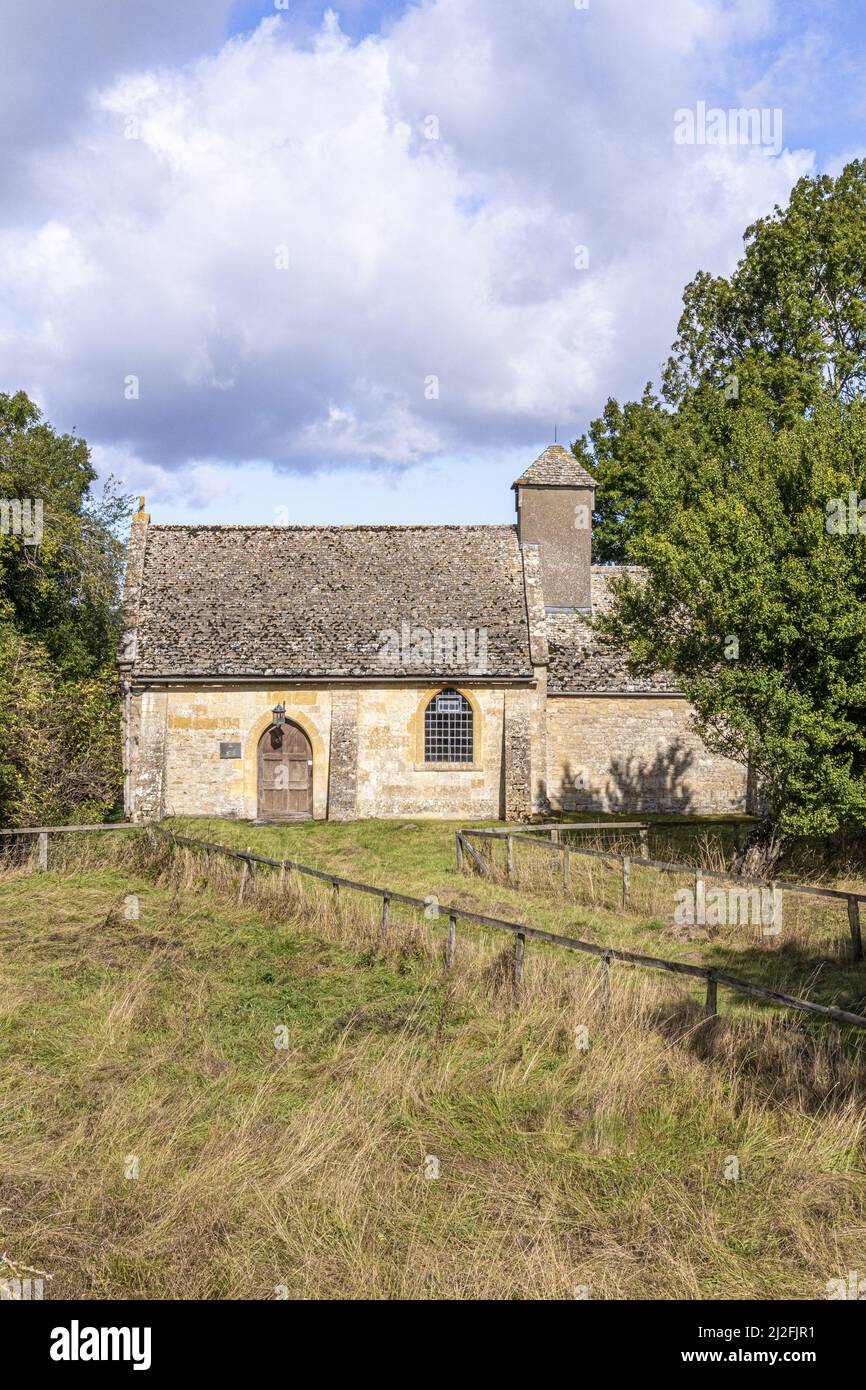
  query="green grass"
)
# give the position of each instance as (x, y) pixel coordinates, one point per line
(303, 1167)
(810, 959)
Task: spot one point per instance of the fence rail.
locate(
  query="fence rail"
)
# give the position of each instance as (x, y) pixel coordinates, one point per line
(777, 887)
(43, 831)
(61, 829)
(520, 931)
(556, 829)
(524, 933)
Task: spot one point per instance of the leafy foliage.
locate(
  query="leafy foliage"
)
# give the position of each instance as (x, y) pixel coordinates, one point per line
(722, 488)
(785, 331)
(622, 445)
(59, 622)
(791, 320)
(759, 611)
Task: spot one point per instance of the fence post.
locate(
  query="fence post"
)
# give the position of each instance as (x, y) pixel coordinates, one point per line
(854, 924)
(459, 839)
(450, 942)
(252, 871)
(710, 1006)
(644, 843)
(604, 980)
(565, 862)
(243, 883)
(519, 949)
(777, 909)
(509, 853)
(700, 898)
(626, 878)
(43, 851)
(282, 883)
(386, 915)
(835, 1044)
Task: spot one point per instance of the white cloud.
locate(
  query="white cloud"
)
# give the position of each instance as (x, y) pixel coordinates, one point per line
(406, 257)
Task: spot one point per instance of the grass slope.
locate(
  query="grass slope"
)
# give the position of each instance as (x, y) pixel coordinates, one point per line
(301, 1169)
(810, 958)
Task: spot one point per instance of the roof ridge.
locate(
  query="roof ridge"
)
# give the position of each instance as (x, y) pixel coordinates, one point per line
(327, 526)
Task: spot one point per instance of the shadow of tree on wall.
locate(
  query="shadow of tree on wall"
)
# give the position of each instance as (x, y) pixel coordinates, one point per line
(542, 803)
(633, 783)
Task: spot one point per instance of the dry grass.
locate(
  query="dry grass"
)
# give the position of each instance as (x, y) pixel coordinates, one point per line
(814, 932)
(303, 1166)
(810, 957)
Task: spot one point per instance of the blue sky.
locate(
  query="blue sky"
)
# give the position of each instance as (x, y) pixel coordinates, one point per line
(358, 18)
(352, 265)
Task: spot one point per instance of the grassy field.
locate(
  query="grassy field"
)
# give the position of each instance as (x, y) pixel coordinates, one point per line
(809, 958)
(566, 1160)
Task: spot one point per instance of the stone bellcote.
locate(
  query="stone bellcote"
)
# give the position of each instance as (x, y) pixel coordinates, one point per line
(555, 499)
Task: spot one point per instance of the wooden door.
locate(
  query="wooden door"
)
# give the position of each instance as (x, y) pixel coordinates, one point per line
(285, 774)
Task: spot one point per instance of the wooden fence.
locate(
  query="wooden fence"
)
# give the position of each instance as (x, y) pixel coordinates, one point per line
(606, 955)
(776, 887)
(522, 933)
(43, 831)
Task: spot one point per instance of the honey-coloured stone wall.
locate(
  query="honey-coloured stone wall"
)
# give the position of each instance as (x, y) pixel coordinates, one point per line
(620, 753)
(367, 746)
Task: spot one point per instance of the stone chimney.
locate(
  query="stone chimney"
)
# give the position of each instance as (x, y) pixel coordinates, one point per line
(555, 498)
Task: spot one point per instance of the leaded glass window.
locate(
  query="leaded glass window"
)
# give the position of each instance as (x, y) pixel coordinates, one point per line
(448, 734)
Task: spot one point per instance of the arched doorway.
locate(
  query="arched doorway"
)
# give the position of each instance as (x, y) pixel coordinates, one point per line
(285, 774)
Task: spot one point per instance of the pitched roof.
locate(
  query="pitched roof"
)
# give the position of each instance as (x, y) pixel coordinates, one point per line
(556, 467)
(582, 661)
(321, 601)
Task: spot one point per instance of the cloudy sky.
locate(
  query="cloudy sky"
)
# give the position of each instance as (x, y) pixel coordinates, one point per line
(278, 261)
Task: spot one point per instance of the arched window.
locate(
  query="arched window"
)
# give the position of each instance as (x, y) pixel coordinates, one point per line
(448, 729)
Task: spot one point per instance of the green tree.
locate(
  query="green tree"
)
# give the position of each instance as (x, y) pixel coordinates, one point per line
(618, 450)
(790, 322)
(786, 330)
(755, 600)
(61, 561)
(718, 486)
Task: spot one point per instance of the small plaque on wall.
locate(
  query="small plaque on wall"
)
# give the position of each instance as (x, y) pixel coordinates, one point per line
(230, 750)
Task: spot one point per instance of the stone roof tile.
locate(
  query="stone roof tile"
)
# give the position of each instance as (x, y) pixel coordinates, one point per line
(321, 601)
(584, 662)
(556, 467)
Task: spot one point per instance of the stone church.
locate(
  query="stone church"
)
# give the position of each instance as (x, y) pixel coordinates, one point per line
(288, 672)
